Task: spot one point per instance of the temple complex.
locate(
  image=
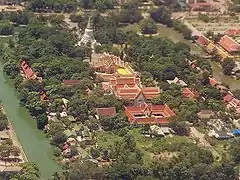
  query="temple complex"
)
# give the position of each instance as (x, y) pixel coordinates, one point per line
(88, 36)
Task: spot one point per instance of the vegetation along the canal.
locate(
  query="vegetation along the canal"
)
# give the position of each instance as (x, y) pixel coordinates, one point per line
(62, 93)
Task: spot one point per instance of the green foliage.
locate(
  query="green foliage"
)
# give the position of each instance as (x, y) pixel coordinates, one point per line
(30, 171)
(130, 13)
(235, 147)
(204, 17)
(162, 15)
(148, 26)
(102, 5)
(6, 28)
(181, 128)
(3, 121)
(228, 65)
(19, 18)
(114, 123)
(59, 138)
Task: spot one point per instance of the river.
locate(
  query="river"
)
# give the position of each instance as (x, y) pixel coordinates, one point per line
(34, 142)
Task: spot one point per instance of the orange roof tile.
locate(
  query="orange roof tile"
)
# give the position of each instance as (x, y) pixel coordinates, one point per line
(148, 114)
(189, 94)
(71, 82)
(229, 44)
(202, 40)
(106, 112)
(212, 81)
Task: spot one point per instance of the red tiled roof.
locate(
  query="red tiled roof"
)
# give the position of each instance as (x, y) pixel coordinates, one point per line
(189, 94)
(43, 96)
(232, 32)
(128, 93)
(228, 98)
(150, 92)
(148, 114)
(212, 81)
(229, 44)
(29, 74)
(71, 82)
(202, 40)
(106, 112)
(234, 102)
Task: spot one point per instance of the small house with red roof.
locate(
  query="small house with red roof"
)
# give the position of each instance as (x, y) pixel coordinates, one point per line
(203, 41)
(27, 70)
(105, 112)
(228, 98)
(229, 44)
(212, 81)
(186, 92)
(148, 114)
(232, 32)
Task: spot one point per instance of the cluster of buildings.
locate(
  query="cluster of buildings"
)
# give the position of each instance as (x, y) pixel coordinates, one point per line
(29, 74)
(121, 80)
(225, 47)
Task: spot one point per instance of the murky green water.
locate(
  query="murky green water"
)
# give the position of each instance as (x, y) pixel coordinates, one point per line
(219, 76)
(35, 145)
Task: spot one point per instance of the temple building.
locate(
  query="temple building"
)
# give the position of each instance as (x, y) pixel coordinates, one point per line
(88, 36)
(149, 114)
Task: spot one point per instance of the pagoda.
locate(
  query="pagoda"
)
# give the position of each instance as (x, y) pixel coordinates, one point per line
(88, 36)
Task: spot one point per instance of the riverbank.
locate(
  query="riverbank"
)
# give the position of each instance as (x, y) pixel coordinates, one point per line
(34, 143)
(14, 138)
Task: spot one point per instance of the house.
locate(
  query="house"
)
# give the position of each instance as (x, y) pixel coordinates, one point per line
(105, 112)
(222, 135)
(177, 81)
(148, 114)
(186, 92)
(202, 41)
(28, 72)
(229, 44)
(212, 81)
(232, 32)
(70, 82)
(228, 98)
(205, 114)
(43, 96)
(233, 103)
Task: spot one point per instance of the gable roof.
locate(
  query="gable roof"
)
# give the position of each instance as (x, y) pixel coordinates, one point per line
(28, 72)
(106, 112)
(148, 114)
(228, 98)
(202, 40)
(212, 81)
(70, 82)
(232, 32)
(188, 93)
(229, 44)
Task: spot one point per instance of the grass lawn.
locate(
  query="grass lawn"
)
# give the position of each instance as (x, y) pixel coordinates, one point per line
(169, 33)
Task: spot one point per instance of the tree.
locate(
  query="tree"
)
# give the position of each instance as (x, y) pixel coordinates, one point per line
(78, 109)
(103, 5)
(235, 148)
(130, 13)
(42, 120)
(3, 124)
(162, 15)
(85, 170)
(228, 65)
(30, 171)
(59, 138)
(148, 26)
(180, 128)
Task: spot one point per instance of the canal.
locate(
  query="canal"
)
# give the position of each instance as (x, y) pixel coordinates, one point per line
(219, 76)
(35, 145)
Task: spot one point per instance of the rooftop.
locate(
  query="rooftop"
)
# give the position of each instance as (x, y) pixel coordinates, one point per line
(229, 44)
(148, 114)
(106, 112)
(70, 82)
(189, 93)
